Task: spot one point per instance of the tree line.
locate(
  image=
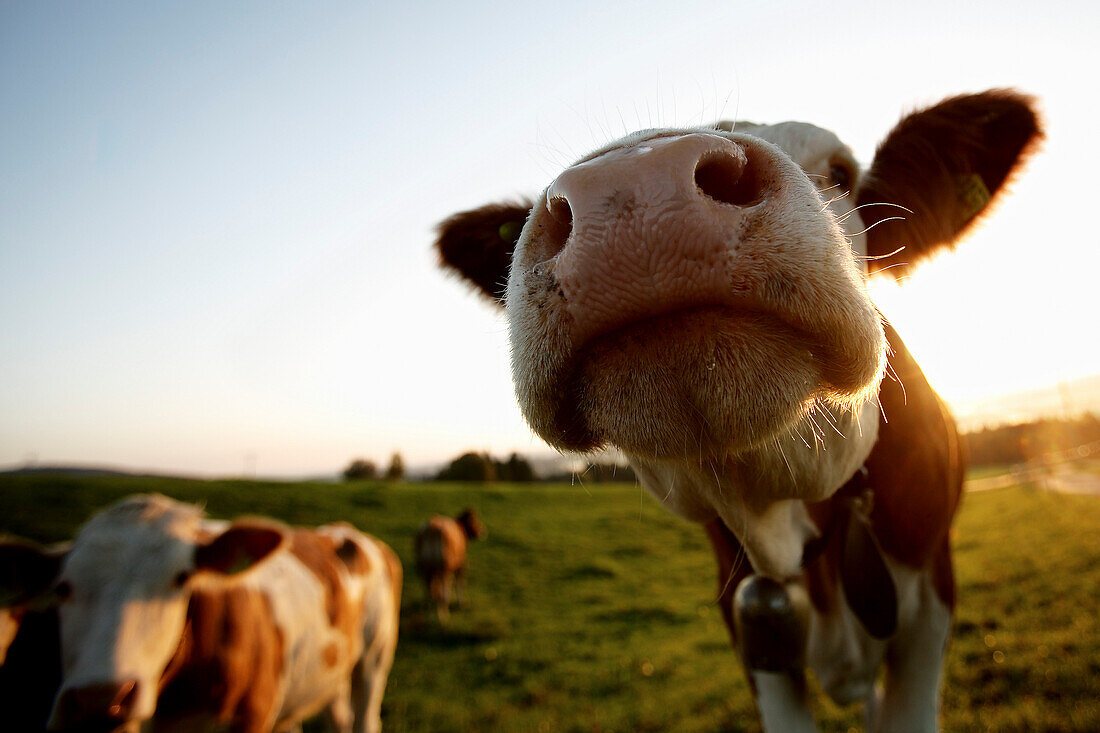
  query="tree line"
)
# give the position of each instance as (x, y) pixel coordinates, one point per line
(473, 466)
(992, 446)
(1030, 441)
(361, 469)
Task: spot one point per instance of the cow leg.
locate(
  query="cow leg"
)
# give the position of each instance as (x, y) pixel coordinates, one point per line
(448, 585)
(783, 701)
(368, 684)
(460, 587)
(437, 595)
(909, 698)
(772, 621)
(338, 713)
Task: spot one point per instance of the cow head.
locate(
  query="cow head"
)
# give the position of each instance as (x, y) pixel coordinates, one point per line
(123, 595)
(696, 298)
(471, 523)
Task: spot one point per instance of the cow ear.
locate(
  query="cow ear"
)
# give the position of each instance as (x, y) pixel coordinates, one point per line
(240, 547)
(937, 172)
(478, 245)
(27, 570)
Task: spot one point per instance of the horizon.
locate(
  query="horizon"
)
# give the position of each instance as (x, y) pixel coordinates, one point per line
(216, 227)
(1066, 401)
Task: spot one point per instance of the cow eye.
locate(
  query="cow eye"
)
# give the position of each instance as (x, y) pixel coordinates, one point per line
(181, 578)
(841, 176)
(63, 590)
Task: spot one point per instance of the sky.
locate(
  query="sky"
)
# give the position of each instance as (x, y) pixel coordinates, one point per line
(216, 218)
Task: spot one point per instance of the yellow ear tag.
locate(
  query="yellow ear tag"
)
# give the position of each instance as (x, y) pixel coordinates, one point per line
(509, 231)
(973, 196)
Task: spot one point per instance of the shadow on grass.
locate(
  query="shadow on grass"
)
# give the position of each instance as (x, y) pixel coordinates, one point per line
(425, 629)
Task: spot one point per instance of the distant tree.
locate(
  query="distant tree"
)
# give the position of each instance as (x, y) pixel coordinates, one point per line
(516, 468)
(396, 470)
(469, 467)
(360, 469)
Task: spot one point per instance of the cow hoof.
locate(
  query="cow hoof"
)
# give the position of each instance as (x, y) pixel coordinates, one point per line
(772, 623)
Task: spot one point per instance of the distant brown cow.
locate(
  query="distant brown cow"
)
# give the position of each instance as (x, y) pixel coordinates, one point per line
(441, 555)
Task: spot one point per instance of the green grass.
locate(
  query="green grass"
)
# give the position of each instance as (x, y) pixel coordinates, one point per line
(592, 609)
(987, 471)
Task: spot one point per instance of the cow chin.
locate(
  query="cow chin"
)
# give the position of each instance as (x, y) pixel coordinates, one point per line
(695, 383)
(702, 382)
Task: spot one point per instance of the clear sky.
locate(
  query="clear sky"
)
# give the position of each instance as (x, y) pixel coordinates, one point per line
(216, 218)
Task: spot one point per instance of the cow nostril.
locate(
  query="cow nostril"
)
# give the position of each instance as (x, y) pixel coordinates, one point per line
(727, 180)
(560, 224)
(125, 699)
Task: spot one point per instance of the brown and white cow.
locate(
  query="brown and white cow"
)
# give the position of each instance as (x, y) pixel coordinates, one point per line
(171, 618)
(441, 556)
(696, 298)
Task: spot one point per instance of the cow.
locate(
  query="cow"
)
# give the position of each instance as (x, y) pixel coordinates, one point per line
(30, 650)
(171, 618)
(441, 556)
(696, 298)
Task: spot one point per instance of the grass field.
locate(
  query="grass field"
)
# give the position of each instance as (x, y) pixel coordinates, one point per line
(591, 609)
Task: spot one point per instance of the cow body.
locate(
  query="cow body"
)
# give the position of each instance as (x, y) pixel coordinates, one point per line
(696, 299)
(440, 551)
(196, 624)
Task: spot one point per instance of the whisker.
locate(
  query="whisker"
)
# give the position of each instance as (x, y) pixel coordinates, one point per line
(784, 457)
(798, 432)
(874, 203)
(880, 221)
(869, 258)
(824, 412)
(890, 370)
(889, 267)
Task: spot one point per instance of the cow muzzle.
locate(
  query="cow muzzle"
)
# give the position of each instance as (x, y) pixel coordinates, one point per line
(108, 706)
(685, 293)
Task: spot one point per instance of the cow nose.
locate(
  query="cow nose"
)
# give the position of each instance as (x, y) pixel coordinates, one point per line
(96, 707)
(649, 228)
(694, 166)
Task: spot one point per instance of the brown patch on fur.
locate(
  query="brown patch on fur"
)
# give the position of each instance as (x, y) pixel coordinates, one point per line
(822, 574)
(916, 468)
(943, 574)
(318, 553)
(353, 557)
(229, 662)
(245, 543)
(331, 654)
(945, 164)
(474, 245)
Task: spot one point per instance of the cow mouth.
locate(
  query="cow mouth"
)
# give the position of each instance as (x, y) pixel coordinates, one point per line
(704, 380)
